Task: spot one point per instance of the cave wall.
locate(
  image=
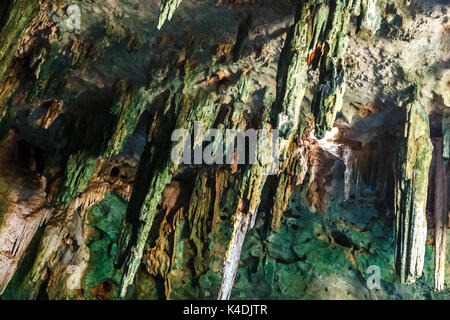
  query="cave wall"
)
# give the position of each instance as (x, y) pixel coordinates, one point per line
(92, 206)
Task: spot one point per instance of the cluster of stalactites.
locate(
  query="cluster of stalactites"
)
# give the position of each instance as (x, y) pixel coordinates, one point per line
(370, 165)
(155, 173)
(311, 32)
(319, 34)
(411, 186)
(318, 37)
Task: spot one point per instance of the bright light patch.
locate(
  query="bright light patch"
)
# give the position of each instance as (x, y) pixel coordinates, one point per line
(328, 142)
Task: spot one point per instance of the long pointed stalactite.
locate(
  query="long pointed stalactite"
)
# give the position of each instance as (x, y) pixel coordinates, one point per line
(293, 173)
(303, 37)
(412, 167)
(440, 217)
(166, 11)
(250, 198)
(329, 99)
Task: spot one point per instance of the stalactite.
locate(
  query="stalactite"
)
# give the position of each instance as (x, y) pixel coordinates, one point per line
(198, 216)
(157, 259)
(440, 218)
(411, 174)
(78, 172)
(367, 162)
(242, 36)
(363, 163)
(328, 100)
(293, 173)
(127, 109)
(241, 225)
(55, 230)
(319, 34)
(304, 36)
(167, 10)
(283, 193)
(348, 174)
(176, 262)
(320, 167)
(154, 174)
(198, 239)
(52, 113)
(252, 185)
(249, 201)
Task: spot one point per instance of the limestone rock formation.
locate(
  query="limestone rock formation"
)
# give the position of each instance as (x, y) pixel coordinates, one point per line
(238, 149)
(413, 164)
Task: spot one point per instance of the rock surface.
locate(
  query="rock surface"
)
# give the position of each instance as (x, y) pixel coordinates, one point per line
(97, 201)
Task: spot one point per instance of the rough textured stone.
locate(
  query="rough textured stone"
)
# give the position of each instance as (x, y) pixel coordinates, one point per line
(92, 205)
(411, 189)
